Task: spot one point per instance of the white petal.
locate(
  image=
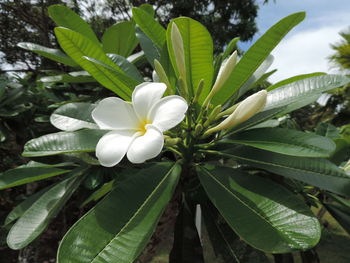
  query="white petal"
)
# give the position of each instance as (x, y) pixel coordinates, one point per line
(112, 147)
(145, 96)
(115, 114)
(147, 146)
(168, 112)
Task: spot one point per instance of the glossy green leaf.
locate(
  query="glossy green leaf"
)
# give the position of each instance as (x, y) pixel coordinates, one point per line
(255, 55)
(293, 79)
(50, 53)
(153, 30)
(73, 116)
(264, 214)
(26, 174)
(115, 232)
(65, 17)
(19, 210)
(35, 220)
(120, 38)
(302, 90)
(285, 141)
(78, 46)
(314, 171)
(198, 48)
(129, 68)
(63, 142)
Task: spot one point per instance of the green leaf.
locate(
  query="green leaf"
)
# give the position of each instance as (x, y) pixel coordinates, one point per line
(198, 48)
(26, 174)
(264, 214)
(293, 79)
(318, 172)
(120, 38)
(129, 68)
(78, 46)
(73, 116)
(98, 194)
(50, 53)
(65, 17)
(232, 46)
(19, 210)
(37, 217)
(63, 142)
(71, 77)
(147, 8)
(150, 50)
(255, 55)
(327, 130)
(115, 232)
(260, 71)
(153, 30)
(341, 213)
(285, 141)
(302, 90)
(187, 246)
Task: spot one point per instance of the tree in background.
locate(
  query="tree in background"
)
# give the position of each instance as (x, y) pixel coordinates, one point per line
(341, 57)
(224, 19)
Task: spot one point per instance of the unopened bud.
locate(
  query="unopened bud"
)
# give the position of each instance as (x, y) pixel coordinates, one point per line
(172, 141)
(212, 115)
(224, 73)
(178, 47)
(245, 110)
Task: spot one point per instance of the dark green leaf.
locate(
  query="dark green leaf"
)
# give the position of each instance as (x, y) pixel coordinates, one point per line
(63, 142)
(37, 217)
(285, 141)
(129, 68)
(264, 214)
(118, 228)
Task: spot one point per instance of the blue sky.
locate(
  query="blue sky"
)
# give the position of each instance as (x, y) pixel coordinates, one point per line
(306, 48)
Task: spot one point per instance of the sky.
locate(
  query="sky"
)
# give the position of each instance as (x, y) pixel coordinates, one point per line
(306, 47)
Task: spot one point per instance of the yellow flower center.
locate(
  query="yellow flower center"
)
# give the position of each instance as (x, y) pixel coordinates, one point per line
(142, 126)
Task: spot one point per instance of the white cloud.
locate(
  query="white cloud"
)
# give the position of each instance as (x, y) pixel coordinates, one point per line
(306, 51)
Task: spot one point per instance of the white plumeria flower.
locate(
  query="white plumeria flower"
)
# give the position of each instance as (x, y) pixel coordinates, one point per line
(137, 127)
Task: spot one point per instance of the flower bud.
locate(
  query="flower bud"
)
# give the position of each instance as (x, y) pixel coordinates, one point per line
(245, 110)
(178, 48)
(224, 73)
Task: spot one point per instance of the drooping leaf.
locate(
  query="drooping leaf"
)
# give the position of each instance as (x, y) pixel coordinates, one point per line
(293, 79)
(198, 48)
(63, 142)
(73, 116)
(50, 53)
(255, 55)
(115, 232)
(78, 46)
(153, 30)
(120, 38)
(264, 214)
(285, 141)
(71, 77)
(302, 90)
(314, 171)
(36, 218)
(26, 174)
(65, 17)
